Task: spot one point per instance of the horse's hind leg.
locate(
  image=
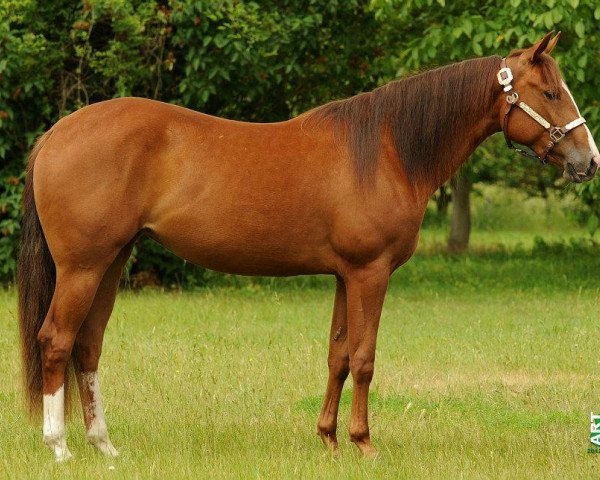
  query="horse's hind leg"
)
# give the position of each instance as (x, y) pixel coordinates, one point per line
(73, 296)
(87, 350)
(339, 368)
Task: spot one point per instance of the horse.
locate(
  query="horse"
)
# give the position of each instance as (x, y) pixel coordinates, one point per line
(341, 189)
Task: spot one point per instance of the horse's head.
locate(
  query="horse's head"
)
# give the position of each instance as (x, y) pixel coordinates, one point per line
(540, 112)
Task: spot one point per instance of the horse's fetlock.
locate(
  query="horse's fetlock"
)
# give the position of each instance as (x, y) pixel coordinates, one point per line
(328, 428)
(359, 434)
(55, 437)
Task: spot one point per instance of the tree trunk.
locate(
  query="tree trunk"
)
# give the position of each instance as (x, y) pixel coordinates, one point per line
(442, 201)
(460, 223)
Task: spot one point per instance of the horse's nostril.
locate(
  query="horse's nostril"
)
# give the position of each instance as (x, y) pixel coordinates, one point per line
(592, 168)
(575, 177)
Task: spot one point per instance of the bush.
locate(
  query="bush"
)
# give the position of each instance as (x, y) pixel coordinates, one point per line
(262, 61)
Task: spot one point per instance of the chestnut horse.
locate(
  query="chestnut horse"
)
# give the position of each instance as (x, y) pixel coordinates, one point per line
(339, 190)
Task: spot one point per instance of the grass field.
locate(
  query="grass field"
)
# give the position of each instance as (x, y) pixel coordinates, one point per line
(487, 367)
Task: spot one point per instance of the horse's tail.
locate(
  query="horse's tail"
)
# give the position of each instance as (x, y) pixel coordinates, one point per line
(35, 281)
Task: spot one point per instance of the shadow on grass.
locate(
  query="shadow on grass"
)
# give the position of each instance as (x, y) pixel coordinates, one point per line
(491, 411)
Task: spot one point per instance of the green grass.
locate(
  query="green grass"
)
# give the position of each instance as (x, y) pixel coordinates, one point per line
(487, 367)
(475, 380)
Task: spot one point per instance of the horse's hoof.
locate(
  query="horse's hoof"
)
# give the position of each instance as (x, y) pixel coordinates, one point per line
(330, 442)
(105, 447)
(58, 445)
(368, 451)
(62, 455)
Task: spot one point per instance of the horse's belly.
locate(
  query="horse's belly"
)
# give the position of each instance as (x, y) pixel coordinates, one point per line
(256, 263)
(248, 250)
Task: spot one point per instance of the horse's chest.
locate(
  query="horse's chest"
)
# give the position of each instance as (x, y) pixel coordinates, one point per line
(364, 240)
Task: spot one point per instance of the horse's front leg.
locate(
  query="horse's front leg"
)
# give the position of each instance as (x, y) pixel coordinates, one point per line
(365, 289)
(339, 368)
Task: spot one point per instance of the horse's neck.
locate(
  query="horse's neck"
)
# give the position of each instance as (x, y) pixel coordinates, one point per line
(467, 142)
(474, 118)
(463, 144)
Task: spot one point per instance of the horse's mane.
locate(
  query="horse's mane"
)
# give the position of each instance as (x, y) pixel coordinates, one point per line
(422, 112)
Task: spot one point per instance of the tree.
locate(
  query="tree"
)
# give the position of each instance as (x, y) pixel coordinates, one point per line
(242, 59)
(460, 224)
(430, 33)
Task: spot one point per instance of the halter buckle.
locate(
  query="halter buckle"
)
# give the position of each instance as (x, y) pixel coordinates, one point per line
(556, 134)
(505, 76)
(512, 98)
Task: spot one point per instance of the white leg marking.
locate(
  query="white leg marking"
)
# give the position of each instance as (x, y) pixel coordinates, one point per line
(54, 424)
(592, 143)
(97, 433)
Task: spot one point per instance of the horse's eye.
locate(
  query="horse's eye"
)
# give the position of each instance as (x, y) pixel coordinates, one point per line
(550, 95)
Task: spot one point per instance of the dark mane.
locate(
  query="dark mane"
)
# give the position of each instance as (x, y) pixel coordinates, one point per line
(423, 113)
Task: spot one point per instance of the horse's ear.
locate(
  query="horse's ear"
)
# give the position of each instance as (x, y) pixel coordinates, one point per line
(534, 52)
(552, 43)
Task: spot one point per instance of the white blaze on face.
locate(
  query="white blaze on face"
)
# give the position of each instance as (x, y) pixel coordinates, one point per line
(592, 143)
(54, 424)
(97, 433)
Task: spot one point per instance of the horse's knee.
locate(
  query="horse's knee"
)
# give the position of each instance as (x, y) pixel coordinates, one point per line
(338, 368)
(362, 367)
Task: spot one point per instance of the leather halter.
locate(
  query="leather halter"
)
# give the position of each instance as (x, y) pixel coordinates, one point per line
(505, 78)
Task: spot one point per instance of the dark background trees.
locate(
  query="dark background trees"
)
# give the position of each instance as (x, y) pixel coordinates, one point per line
(262, 61)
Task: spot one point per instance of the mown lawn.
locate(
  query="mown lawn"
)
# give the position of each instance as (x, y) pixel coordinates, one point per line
(487, 368)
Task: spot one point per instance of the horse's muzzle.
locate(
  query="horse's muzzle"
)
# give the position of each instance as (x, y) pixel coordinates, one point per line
(571, 174)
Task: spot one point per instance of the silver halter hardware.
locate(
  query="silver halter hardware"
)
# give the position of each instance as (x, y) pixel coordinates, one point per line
(505, 78)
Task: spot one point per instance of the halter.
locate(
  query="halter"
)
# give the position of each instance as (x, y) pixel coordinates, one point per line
(505, 78)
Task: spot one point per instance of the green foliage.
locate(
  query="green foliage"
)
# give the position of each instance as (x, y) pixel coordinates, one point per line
(10, 202)
(590, 197)
(492, 163)
(261, 61)
(269, 60)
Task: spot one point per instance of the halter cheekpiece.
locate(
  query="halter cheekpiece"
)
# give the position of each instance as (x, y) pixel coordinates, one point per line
(505, 78)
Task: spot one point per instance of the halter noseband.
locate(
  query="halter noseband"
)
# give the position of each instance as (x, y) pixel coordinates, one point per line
(505, 78)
